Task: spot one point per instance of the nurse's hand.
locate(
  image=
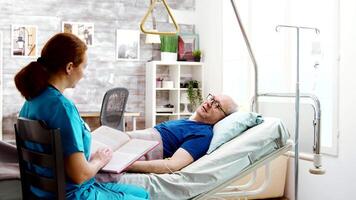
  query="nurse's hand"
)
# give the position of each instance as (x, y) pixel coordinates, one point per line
(104, 155)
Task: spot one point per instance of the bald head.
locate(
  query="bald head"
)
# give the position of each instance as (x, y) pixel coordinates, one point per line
(228, 104)
(214, 109)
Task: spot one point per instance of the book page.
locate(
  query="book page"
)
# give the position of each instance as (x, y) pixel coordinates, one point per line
(120, 161)
(113, 138)
(129, 153)
(95, 145)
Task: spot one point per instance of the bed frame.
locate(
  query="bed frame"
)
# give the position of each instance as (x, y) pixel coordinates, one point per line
(224, 190)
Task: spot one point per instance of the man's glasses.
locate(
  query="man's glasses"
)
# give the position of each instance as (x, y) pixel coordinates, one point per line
(215, 103)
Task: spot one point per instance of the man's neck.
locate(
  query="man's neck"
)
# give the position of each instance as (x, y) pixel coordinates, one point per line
(196, 118)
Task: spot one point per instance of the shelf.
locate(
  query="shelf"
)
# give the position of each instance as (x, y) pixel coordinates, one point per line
(185, 89)
(176, 63)
(167, 88)
(177, 72)
(166, 114)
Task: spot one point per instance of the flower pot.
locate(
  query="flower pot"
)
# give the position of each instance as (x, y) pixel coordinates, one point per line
(197, 59)
(168, 56)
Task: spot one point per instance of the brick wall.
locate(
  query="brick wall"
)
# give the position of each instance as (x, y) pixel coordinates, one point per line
(103, 71)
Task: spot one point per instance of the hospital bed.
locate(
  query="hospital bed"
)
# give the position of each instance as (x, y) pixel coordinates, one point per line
(211, 174)
(207, 176)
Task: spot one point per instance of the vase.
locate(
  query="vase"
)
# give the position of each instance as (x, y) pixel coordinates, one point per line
(168, 56)
(197, 59)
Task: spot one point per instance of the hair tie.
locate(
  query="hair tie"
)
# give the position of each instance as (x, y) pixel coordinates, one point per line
(40, 60)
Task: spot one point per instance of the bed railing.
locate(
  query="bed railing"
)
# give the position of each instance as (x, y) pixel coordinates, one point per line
(316, 126)
(255, 67)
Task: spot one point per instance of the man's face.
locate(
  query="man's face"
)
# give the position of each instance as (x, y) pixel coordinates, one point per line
(213, 109)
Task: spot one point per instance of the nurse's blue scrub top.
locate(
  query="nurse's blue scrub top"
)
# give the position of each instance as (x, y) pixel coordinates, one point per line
(59, 112)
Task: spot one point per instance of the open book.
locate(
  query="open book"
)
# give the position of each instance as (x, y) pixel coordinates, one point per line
(125, 150)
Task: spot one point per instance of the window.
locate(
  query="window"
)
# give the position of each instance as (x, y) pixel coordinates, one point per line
(275, 53)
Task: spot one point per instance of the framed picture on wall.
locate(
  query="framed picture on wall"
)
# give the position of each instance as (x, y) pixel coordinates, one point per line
(187, 43)
(127, 44)
(23, 41)
(85, 31)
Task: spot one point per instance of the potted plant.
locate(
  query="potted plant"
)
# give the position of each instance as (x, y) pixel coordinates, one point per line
(169, 45)
(194, 94)
(197, 55)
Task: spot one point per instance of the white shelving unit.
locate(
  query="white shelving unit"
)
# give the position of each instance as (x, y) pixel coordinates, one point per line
(178, 72)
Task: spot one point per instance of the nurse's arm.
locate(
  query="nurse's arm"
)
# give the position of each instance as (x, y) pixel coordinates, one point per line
(79, 170)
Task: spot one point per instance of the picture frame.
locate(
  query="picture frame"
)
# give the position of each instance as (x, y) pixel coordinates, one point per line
(24, 41)
(187, 43)
(83, 30)
(127, 45)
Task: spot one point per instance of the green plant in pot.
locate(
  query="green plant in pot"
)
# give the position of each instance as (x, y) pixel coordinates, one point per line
(169, 46)
(196, 55)
(194, 94)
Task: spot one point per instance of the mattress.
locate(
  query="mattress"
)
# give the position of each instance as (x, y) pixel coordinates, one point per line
(213, 170)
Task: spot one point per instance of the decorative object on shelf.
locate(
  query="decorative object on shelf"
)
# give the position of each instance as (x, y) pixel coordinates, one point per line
(197, 55)
(24, 41)
(187, 43)
(153, 38)
(169, 45)
(127, 44)
(85, 31)
(159, 82)
(194, 94)
(185, 101)
(167, 84)
(168, 108)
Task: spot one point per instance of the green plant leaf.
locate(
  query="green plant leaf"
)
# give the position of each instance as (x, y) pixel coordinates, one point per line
(169, 43)
(194, 93)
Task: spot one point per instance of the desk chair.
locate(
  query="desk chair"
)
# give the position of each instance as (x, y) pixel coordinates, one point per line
(37, 132)
(113, 108)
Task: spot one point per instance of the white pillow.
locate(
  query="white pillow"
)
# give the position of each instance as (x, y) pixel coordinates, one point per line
(232, 126)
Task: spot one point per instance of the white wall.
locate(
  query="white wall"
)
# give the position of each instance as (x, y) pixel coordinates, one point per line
(209, 28)
(339, 181)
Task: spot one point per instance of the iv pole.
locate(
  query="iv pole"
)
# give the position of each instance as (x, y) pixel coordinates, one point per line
(297, 98)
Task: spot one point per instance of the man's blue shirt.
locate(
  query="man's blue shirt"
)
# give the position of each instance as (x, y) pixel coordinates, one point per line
(192, 136)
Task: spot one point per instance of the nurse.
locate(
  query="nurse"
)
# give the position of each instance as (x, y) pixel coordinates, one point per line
(42, 83)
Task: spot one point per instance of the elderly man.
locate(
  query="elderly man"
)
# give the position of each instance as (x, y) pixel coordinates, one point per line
(185, 140)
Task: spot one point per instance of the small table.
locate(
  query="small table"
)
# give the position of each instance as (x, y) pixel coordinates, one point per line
(95, 114)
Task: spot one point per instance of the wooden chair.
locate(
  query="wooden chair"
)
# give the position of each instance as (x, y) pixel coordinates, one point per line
(37, 132)
(113, 108)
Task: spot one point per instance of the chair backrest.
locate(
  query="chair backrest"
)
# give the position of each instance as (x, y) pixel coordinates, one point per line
(36, 132)
(113, 108)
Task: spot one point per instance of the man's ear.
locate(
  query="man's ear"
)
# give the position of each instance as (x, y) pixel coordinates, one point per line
(69, 68)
